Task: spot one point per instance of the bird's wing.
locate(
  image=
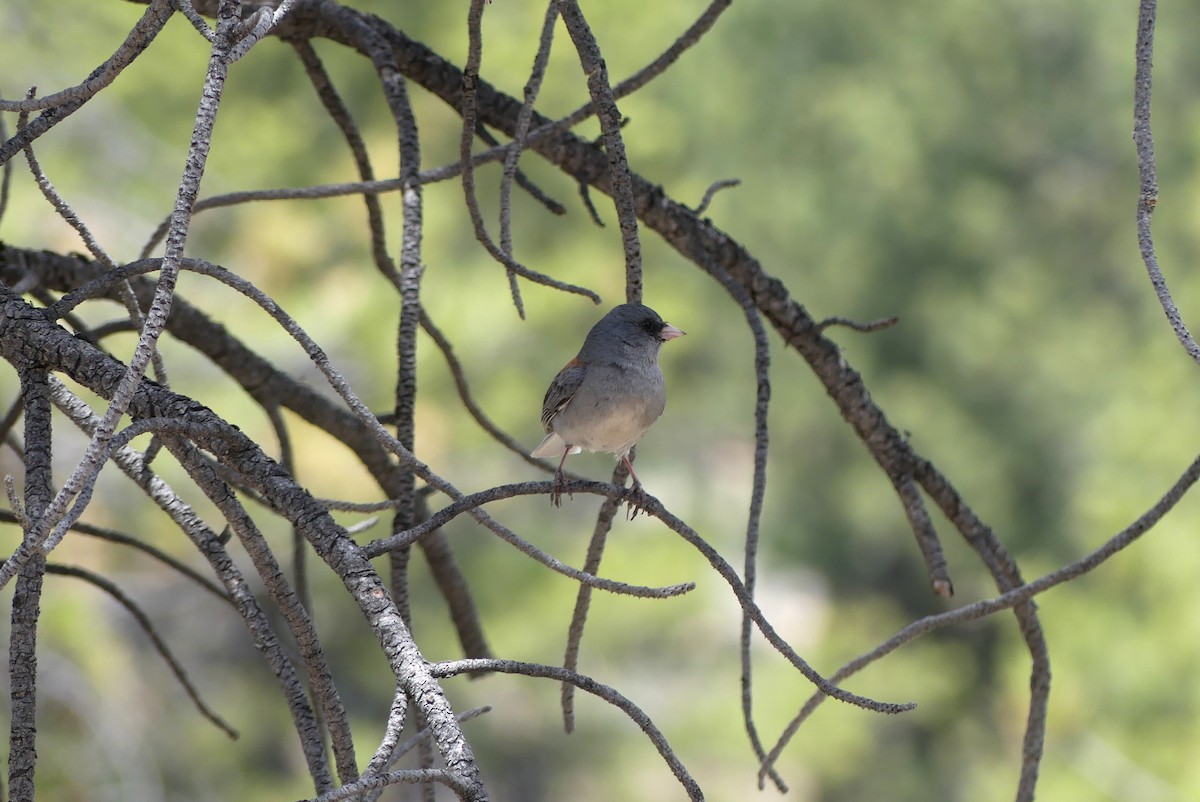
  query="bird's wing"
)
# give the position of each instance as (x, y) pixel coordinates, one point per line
(562, 390)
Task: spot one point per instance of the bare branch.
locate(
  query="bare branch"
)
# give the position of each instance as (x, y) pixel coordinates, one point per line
(926, 534)
(713, 189)
(186, 8)
(532, 86)
(113, 536)
(6, 175)
(1143, 139)
(614, 146)
(654, 508)
(467, 504)
(89, 466)
(583, 597)
(156, 640)
(589, 685)
(143, 33)
(762, 369)
(464, 393)
(340, 114)
(26, 603)
(866, 328)
(470, 74)
(411, 776)
(212, 547)
(1013, 598)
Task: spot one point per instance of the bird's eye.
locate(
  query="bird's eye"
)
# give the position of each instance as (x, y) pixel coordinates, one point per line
(651, 326)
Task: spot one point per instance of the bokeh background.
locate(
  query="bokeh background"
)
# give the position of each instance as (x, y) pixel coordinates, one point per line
(966, 166)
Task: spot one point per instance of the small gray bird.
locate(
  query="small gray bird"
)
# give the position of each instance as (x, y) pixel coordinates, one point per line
(606, 397)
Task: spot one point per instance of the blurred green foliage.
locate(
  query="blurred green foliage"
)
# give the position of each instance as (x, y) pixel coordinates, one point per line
(966, 166)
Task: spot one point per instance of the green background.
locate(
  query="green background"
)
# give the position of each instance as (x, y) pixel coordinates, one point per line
(965, 166)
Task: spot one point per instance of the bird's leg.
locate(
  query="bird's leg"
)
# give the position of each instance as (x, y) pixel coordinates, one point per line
(629, 465)
(638, 497)
(560, 482)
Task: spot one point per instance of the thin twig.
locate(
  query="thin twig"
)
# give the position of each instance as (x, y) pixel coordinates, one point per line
(1013, 598)
(926, 535)
(341, 116)
(866, 328)
(143, 32)
(367, 188)
(212, 547)
(713, 189)
(147, 626)
(762, 404)
(583, 597)
(49, 530)
(186, 8)
(423, 734)
(466, 504)
(1143, 140)
(458, 373)
(6, 176)
(260, 23)
(385, 753)
(584, 683)
(124, 290)
(609, 115)
(585, 195)
(11, 417)
(464, 790)
(524, 116)
(468, 111)
(113, 536)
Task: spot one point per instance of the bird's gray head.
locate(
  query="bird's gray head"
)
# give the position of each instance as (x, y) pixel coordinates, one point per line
(628, 327)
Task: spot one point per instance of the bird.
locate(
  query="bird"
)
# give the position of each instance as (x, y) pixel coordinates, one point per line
(610, 393)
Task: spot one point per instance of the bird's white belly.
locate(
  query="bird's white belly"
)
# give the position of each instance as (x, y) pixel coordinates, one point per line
(602, 422)
(615, 432)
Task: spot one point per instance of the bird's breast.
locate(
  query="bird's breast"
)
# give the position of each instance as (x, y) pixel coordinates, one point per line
(612, 409)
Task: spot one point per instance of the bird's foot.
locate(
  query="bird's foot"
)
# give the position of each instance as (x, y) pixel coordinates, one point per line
(637, 501)
(557, 487)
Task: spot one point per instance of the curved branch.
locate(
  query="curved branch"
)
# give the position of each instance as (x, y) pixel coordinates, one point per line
(155, 17)
(26, 335)
(654, 508)
(621, 185)
(1143, 140)
(212, 547)
(1011, 599)
(268, 386)
(113, 536)
(147, 626)
(589, 685)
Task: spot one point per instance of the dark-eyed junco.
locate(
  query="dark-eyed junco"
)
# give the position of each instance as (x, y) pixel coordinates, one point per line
(606, 397)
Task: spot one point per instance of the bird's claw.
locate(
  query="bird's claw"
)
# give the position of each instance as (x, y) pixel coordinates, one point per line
(637, 501)
(557, 487)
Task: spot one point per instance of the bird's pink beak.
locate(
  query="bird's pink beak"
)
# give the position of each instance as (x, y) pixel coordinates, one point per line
(670, 333)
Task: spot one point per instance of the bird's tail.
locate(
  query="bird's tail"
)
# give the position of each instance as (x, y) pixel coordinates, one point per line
(552, 446)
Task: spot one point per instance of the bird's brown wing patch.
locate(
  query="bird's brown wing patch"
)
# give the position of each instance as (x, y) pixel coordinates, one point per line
(562, 390)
